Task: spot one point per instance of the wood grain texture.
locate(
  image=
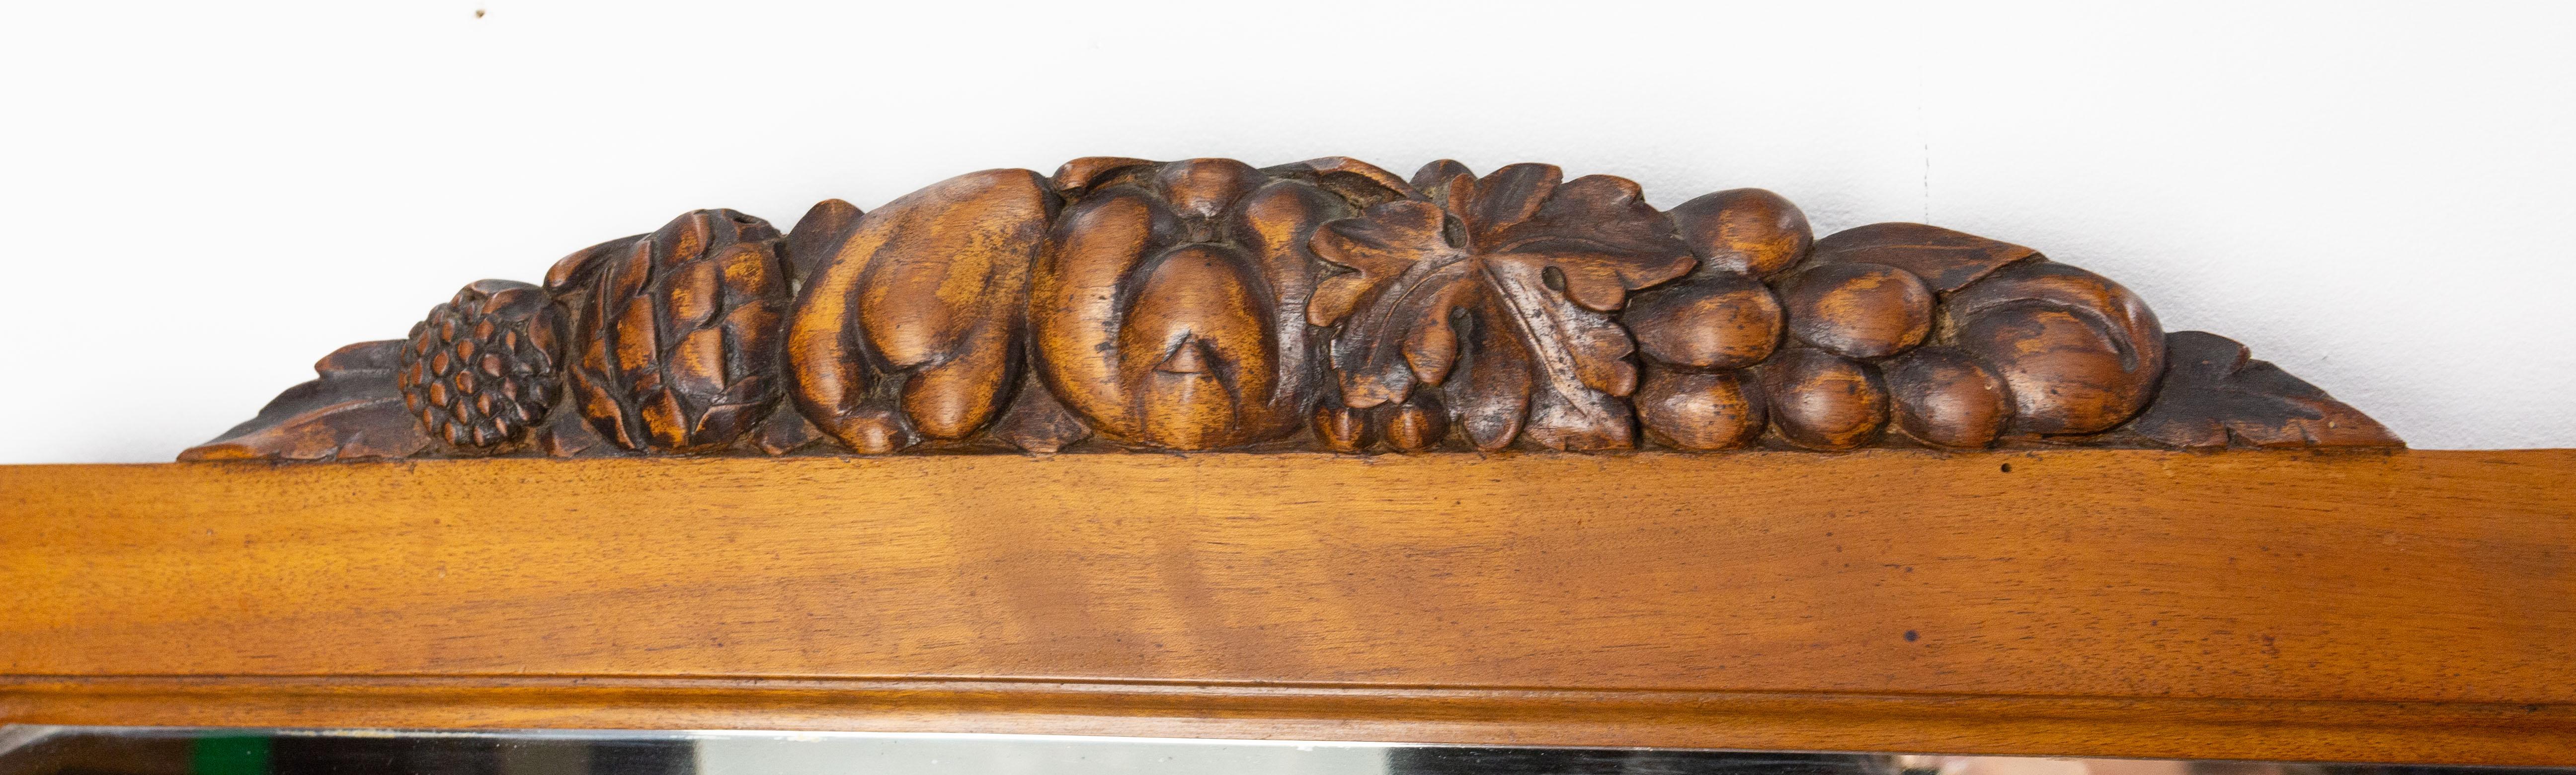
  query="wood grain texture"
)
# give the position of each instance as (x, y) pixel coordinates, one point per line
(1125, 305)
(2410, 606)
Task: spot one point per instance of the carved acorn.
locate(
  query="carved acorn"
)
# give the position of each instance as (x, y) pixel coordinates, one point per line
(911, 325)
(676, 332)
(481, 370)
(1169, 306)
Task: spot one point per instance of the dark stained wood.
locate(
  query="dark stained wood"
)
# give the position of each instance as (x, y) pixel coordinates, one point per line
(676, 332)
(354, 410)
(486, 368)
(1702, 411)
(1947, 260)
(1858, 310)
(1945, 398)
(1535, 265)
(1715, 322)
(2410, 606)
(912, 328)
(1169, 308)
(1133, 305)
(2079, 353)
(1822, 401)
(2215, 394)
(1746, 232)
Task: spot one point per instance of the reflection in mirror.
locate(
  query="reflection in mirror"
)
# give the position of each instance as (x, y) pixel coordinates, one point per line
(50, 750)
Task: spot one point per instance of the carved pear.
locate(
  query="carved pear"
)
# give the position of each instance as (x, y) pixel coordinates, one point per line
(912, 327)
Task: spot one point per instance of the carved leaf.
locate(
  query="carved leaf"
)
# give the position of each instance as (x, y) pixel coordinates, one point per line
(353, 411)
(1490, 392)
(2214, 390)
(1946, 260)
(1394, 306)
(568, 434)
(1036, 422)
(1520, 253)
(785, 431)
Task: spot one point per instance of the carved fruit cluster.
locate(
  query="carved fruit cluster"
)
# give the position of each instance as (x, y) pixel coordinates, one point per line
(1949, 339)
(1207, 304)
(479, 373)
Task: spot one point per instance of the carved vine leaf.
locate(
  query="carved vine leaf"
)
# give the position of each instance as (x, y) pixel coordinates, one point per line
(2214, 390)
(353, 411)
(1529, 266)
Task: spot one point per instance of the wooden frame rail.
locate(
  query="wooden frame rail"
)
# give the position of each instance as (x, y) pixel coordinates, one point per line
(2362, 606)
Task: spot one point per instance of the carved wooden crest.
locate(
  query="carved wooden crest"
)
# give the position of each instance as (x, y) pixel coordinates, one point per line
(1124, 304)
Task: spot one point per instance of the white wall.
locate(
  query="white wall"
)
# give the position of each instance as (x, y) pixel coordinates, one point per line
(209, 196)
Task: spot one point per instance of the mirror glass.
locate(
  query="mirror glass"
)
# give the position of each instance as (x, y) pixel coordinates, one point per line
(54, 750)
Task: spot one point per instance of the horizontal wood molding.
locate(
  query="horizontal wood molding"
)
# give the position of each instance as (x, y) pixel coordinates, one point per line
(1948, 723)
(2409, 606)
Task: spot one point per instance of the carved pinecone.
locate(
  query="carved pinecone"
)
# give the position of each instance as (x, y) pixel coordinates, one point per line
(480, 371)
(677, 331)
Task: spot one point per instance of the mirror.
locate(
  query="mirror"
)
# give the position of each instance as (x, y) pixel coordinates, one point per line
(57, 750)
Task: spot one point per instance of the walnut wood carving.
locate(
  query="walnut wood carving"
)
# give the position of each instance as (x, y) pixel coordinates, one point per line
(1125, 304)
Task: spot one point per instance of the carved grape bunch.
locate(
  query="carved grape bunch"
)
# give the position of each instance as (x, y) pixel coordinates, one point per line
(480, 372)
(1329, 304)
(1498, 292)
(1947, 339)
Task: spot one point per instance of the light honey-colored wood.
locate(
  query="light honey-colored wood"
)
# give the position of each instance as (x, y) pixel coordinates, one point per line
(2414, 606)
